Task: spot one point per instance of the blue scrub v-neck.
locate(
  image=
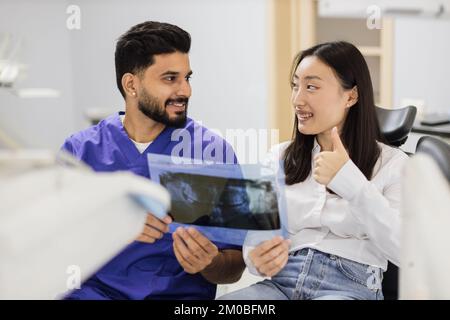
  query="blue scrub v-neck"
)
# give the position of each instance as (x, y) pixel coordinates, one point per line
(128, 147)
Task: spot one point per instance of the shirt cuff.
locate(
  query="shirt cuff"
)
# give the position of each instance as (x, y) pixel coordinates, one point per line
(251, 268)
(348, 181)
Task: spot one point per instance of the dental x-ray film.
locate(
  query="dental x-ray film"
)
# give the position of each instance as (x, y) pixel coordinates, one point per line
(223, 200)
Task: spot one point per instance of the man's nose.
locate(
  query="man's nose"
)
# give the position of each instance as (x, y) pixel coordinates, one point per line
(184, 89)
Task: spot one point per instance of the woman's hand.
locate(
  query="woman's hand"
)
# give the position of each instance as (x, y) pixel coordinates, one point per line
(270, 256)
(328, 163)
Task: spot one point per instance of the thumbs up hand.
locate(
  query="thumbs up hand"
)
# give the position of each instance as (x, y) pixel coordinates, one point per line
(328, 163)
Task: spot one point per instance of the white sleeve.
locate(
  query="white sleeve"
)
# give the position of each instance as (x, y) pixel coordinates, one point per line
(253, 238)
(245, 252)
(378, 212)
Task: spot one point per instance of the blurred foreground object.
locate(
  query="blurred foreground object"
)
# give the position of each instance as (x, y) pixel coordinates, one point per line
(59, 222)
(425, 235)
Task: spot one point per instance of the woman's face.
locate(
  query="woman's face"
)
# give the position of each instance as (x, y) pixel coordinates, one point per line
(319, 100)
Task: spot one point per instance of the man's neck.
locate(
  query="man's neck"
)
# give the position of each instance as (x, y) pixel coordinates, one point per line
(141, 128)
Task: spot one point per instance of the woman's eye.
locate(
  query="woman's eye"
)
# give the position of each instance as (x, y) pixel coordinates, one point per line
(311, 87)
(294, 85)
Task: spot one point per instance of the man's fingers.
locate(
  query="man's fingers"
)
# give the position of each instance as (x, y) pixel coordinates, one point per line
(191, 243)
(154, 229)
(183, 250)
(206, 245)
(167, 220)
(154, 222)
(183, 262)
(145, 238)
(152, 232)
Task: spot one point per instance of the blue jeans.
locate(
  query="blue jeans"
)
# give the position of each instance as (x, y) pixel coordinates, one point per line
(313, 275)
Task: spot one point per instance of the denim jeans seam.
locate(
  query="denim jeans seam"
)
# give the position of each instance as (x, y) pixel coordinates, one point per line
(302, 276)
(316, 286)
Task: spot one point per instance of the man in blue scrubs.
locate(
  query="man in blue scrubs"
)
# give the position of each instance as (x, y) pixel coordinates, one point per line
(152, 73)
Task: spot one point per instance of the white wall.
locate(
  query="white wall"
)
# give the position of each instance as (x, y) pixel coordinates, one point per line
(228, 57)
(422, 62)
(40, 123)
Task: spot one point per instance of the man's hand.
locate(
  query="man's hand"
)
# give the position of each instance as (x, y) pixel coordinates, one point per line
(270, 256)
(193, 251)
(328, 163)
(154, 229)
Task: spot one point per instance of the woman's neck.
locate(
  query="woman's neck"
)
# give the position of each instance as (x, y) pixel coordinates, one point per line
(324, 140)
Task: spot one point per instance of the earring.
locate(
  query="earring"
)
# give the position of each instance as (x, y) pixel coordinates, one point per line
(134, 93)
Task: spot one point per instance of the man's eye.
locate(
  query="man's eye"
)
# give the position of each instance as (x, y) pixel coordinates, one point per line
(170, 78)
(188, 78)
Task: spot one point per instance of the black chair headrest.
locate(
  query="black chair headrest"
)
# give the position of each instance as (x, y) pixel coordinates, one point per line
(396, 124)
(438, 150)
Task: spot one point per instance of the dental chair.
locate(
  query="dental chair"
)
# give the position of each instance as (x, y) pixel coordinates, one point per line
(438, 150)
(395, 126)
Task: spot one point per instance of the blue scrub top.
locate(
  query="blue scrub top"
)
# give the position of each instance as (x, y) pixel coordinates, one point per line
(141, 270)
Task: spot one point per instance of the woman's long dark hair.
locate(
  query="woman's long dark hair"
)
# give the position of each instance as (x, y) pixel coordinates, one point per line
(360, 131)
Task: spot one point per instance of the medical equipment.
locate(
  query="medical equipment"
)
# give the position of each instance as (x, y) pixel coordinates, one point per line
(60, 221)
(11, 71)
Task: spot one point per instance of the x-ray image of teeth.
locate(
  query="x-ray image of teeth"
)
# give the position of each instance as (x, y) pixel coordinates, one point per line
(222, 202)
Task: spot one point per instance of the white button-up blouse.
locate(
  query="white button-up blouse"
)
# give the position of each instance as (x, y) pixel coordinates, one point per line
(361, 222)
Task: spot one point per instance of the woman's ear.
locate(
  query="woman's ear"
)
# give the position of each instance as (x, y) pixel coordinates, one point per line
(353, 97)
(129, 85)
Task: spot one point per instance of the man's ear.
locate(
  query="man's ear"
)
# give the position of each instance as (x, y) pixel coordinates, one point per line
(353, 97)
(129, 84)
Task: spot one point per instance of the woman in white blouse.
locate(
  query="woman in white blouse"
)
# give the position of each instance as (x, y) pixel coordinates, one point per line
(342, 188)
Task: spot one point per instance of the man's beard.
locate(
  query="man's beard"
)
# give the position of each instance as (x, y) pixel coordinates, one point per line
(152, 108)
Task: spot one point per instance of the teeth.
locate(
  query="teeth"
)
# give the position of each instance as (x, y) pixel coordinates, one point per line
(178, 104)
(305, 115)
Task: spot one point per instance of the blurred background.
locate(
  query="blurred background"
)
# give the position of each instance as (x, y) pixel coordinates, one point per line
(228, 57)
(241, 56)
